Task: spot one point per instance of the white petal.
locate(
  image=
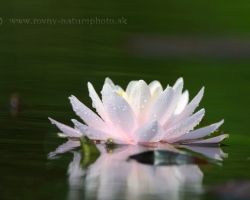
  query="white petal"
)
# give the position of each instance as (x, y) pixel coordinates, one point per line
(149, 132)
(110, 82)
(75, 172)
(130, 87)
(94, 134)
(182, 103)
(188, 110)
(164, 106)
(68, 146)
(161, 108)
(87, 115)
(66, 129)
(178, 84)
(177, 94)
(196, 100)
(184, 126)
(106, 91)
(121, 92)
(210, 152)
(62, 135)
(118, 89)
(119, 111)
(90, 132)
(96, 102)
(214, 140)
(140, 100)
(155, 89)
(199, 133)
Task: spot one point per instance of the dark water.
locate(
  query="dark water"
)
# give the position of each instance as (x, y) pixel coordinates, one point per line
(45, 64)
(27, 138)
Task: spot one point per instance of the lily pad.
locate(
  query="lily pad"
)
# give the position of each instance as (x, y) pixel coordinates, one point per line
(164, 157)
(90, 152)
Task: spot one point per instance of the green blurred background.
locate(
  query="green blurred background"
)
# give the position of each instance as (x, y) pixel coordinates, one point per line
(205, 42)
(45, 64)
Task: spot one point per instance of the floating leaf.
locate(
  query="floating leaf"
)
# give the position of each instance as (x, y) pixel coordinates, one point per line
(163, 157)
(90, 152)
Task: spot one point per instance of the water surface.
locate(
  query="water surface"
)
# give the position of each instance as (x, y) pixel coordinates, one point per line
(46, 64)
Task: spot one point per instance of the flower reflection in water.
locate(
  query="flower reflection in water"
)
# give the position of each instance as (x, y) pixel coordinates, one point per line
(113, 177)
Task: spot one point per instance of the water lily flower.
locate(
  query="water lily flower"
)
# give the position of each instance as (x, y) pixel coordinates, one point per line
(210, 152)
(141, 114)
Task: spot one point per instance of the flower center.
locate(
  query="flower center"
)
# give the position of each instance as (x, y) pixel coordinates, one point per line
(120, 93)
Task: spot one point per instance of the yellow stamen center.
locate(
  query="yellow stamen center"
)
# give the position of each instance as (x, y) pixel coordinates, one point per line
(121, 93)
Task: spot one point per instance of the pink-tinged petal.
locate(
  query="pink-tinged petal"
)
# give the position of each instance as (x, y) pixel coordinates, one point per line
(210, 152)
(184, 126)
(161, 108)
(140, 100)
(87, 115)
(119, 111)
(199, 133)
(188, 110)
(149, 132)
(96, 102)
(68, 146)
(182, 103)
(130, 88)
(214, 140)
(155, 89)
(106, 91)
(94, 134)
(70, 132)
